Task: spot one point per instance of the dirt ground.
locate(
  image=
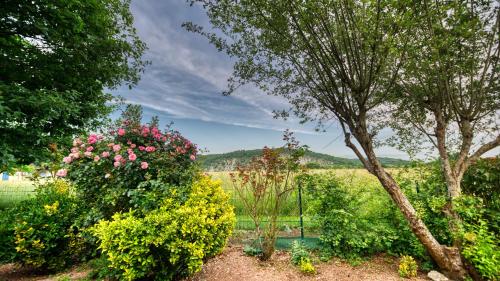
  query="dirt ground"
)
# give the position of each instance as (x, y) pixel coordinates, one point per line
(232, 264)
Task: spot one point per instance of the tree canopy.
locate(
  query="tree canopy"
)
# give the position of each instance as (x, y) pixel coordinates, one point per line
(57, 58)
(372, 64)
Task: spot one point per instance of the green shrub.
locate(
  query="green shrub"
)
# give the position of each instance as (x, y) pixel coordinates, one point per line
(306, 266)
(38, 232)
(300, 257)
(480, 245)
(170, 242)
(407, 267)
(252, 251)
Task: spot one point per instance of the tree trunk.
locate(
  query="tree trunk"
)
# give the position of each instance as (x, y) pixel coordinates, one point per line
(447, 258)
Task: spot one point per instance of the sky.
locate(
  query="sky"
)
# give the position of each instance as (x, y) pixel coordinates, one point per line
(185, 81)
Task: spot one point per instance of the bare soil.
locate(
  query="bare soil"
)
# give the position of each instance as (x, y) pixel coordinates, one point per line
(234, 265)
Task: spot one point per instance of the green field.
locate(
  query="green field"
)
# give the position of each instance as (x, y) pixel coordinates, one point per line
(360, 182)
(14, 191)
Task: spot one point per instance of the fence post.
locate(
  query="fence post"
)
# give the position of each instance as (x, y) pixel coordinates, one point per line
(300, 211)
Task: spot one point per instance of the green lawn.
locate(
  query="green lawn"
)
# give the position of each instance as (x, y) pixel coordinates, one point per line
(14, 191)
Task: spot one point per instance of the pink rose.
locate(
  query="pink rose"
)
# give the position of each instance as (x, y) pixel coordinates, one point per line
(141, 148)
(105, 154)
(75, 155)
(132, 157)
(144, 165)
(90, 148)
(118, 158)
(87, 153)
(97, 158)
(74, 150)
(192, 157)
(130, 151)
(121, 132)
(77, 142)
(116, 147)
(62, 173)
(67, 159)
(116, 164)
(150, 148)
(92, 139)
(145, 131)
(133, 145)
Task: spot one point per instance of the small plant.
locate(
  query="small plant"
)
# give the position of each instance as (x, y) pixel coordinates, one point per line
(252, 251)
(263, 186)
(306, 266)
(407, 267)
(302, 258)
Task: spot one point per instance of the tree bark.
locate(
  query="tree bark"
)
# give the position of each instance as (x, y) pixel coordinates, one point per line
(447, 258)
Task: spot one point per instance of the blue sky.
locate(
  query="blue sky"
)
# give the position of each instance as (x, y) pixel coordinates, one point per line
(185, 81)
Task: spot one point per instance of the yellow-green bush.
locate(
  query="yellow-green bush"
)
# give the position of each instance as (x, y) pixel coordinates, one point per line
(306, 266)
(39, 231)
(407, 267)
(172, 241)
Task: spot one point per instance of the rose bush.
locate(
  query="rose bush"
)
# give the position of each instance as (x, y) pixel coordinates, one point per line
(132, 166)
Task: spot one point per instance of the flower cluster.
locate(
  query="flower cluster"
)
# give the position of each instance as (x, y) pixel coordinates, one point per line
(132, 146)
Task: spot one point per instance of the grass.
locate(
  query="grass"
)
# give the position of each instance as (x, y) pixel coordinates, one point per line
(360, 182)
(14, 191)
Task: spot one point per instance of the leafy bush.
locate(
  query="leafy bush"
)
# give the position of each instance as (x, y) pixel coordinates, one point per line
(306, 266)
(299, 252)
(407, 267)
(480, 245)
(300, 257)
(252, 251)
(133, 166)
(263, 186)
(38, 232)
(172, 241)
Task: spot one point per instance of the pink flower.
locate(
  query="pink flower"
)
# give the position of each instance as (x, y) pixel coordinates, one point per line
(90, 148)
(116, 147)
(75, 155)
(74, 150)
(130, 151)
(105, 154)
(150, 148)
(121, 132)
(192, 157)
(132, 157)
(144, 165)
(97, 158)
(133, 145)
(145, 131)
(92, 139)
(62, 173)
(87, 153)
(116, 164)
(154, 131)
(118, 158)
(67, 159)
(141, 148)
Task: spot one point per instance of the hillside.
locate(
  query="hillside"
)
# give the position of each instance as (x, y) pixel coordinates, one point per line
(229, 161)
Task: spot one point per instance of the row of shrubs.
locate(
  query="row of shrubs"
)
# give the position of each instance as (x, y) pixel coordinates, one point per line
(133, 199)
(355, 220)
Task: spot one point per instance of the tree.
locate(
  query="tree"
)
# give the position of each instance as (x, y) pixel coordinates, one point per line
(331, 59)
(449, 86)
(57, 57)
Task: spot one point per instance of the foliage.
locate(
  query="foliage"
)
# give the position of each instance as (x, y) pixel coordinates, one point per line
(480, 245)
(407, 267)
(263, 186)
(169, 242)
(252, 251)
(483, 180)
(300, 257)
(132, 166)
(39, 232)
(57, 58)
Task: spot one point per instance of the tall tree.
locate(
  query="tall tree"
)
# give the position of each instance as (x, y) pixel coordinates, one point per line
(448, 90)
(57, 57)
(331, 59)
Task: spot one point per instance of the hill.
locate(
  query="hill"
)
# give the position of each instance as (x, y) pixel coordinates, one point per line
(229, 161)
